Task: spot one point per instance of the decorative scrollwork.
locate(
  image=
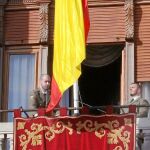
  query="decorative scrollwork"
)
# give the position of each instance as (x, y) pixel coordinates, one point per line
(43, 11)
(21, 125)
(21, 1)
(35, 137)
(114, 132)
(128, 122)
(129, 19)
(57, 128)
(31, 136)
(118, 148)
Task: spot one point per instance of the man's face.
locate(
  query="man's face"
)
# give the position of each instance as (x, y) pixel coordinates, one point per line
(134, 90)
(45, 82)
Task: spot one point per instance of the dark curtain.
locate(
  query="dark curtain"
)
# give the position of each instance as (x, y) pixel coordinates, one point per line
(102, 55)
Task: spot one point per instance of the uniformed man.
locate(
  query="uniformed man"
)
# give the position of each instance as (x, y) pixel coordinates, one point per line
(40, 97)
(136, 99)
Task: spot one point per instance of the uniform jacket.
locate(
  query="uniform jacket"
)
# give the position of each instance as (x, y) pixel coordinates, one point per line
(39, 99)
(141, 111)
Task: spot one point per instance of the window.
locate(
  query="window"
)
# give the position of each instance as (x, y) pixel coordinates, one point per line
(21, 70)
(21, 80)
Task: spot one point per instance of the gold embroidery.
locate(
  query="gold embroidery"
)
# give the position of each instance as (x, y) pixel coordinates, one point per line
(113, 136)
(128, 122)
(100, 128)
(87, 125)
(20, 125)
(115, 132)
(118, 148)
(31, 136)
(57, 129)
(36, 138)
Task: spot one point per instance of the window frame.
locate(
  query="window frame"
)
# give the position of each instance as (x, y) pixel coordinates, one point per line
(1, 62)
(17, 50)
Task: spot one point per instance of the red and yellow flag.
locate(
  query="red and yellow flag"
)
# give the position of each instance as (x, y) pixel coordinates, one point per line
(70, 33)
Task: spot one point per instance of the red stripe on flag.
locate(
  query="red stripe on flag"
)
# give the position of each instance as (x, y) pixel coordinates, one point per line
(86, 18)
(55, 96)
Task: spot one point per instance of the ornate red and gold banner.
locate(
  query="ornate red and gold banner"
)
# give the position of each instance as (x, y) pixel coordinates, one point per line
(106, 132)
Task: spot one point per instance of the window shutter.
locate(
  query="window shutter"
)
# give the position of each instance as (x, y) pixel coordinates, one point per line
(107, 21)
(142, 41)
(22, 26)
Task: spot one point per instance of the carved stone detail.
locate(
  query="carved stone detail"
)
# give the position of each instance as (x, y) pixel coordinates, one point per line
(129, 19)
(43, 22)
(44, 1)
(26, 1)
(21, 1)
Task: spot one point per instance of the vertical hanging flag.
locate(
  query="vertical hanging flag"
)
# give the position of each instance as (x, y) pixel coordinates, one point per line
(70, 33)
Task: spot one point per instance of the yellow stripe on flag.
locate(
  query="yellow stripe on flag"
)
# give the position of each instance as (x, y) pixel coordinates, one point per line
(69, 42)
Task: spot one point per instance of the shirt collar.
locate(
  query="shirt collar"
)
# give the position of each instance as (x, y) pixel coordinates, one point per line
(42, 90)
(135, 97)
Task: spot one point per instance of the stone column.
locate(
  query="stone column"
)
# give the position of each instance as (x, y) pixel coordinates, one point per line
(1, 141)
(44, 33)
(10, 139)
(129, 48)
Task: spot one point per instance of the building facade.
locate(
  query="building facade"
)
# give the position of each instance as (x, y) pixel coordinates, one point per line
(117, 50)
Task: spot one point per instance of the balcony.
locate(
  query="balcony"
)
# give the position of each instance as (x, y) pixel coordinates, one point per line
(6, 132)
(6, 135)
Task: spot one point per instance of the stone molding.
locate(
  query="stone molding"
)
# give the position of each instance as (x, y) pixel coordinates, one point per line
(129, 19)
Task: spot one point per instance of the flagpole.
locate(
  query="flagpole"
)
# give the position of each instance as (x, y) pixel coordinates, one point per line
(76, 97)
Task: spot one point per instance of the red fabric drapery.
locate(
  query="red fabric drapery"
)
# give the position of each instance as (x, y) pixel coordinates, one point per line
(106, 132)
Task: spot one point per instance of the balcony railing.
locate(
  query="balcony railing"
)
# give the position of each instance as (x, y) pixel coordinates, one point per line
(6, 131)
(6, 128)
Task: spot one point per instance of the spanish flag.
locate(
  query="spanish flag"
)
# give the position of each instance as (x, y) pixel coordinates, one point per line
(71, 27)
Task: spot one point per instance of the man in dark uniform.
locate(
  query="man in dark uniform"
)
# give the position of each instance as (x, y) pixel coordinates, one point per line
(40, 97)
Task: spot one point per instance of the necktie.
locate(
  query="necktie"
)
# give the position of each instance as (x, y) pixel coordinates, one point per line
(131, 101)
(44, 100)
